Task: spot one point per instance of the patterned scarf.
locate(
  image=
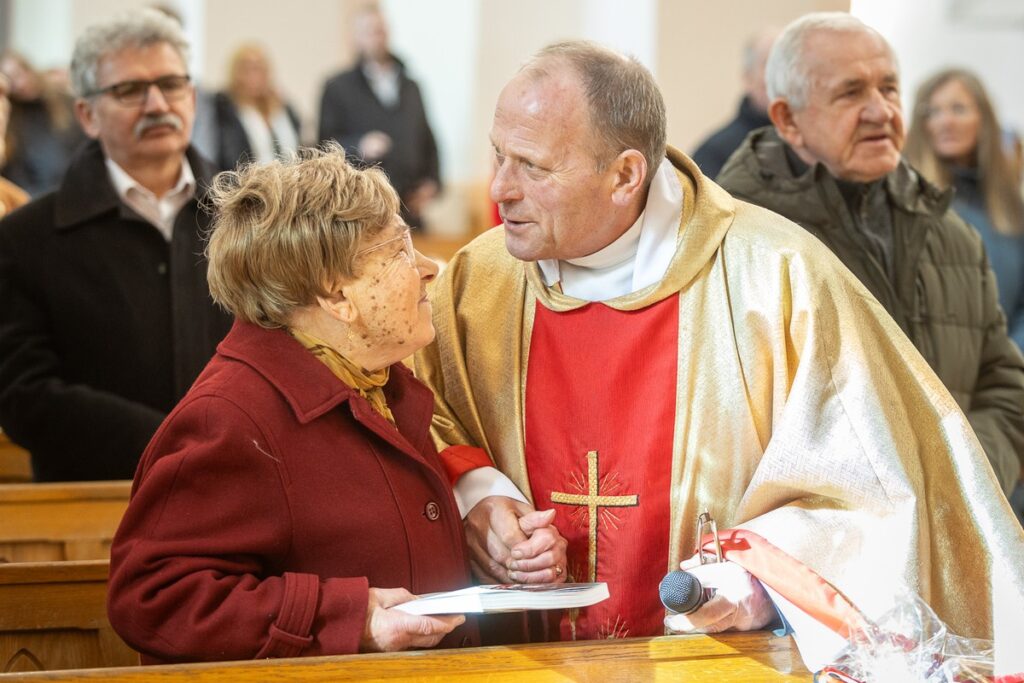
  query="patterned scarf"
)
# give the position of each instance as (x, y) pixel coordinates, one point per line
(370, 385)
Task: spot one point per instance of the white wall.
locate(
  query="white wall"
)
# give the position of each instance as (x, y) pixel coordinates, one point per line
(439, 42)
(32, 19)
(928, 35)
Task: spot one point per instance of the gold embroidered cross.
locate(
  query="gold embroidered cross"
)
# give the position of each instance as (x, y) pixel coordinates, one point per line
(593, 500)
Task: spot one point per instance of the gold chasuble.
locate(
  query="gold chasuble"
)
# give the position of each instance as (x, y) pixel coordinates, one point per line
(758, 379)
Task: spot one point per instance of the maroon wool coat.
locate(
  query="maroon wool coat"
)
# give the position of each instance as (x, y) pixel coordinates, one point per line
(268, 502)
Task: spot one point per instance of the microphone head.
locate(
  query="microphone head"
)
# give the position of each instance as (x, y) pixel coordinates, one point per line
(681, 592)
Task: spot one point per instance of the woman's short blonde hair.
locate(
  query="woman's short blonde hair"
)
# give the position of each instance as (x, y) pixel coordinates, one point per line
(286, 232)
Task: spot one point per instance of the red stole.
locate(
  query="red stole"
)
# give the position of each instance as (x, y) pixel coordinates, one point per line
(600, 417)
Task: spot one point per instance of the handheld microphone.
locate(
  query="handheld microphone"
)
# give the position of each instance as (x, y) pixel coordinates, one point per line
(681, 592)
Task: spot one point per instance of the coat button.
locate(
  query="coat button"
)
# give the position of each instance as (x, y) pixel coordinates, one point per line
(432, 511)
(161, 269)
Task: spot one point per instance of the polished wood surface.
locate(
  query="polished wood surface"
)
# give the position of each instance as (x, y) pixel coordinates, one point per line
(15, 463)
(745, 657)
(53, 615)
(67, 521)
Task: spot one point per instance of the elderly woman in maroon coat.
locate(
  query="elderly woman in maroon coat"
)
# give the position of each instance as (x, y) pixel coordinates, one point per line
(283, 502)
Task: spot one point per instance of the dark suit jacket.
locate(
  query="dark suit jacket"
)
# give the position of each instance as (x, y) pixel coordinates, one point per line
(269, 502)
(103, 324)
(349, 110)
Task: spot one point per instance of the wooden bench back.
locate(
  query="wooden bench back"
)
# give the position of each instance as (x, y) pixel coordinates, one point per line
(53, 522)
(53, 615)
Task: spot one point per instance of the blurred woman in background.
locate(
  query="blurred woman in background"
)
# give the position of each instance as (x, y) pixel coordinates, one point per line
(955, 141)
(11, 196)
(42, 132)
(254, 123)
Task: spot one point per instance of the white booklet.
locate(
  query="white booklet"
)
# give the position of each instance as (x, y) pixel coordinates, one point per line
(508, 598)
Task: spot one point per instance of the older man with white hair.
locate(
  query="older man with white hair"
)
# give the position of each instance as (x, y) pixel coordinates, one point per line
(106, 318)
(832, 164)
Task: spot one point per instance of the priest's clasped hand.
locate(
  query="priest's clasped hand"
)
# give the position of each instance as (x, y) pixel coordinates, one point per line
(740, 602)
(510, 542)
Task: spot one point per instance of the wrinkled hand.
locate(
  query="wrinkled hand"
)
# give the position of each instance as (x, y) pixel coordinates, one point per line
(510, 542)
(374, 145)
(740, 602)
(391, 630)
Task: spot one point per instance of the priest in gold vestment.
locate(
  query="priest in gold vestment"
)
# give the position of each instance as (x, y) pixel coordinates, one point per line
(635, 346)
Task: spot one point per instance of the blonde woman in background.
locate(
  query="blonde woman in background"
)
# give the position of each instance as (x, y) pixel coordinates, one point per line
(955, 140)
(254, 123)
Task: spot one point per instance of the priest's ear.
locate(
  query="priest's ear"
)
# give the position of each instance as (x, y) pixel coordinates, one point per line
(628, 171)
(783, 118)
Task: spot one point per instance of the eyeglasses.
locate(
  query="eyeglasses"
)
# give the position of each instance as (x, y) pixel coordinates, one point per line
(408, 250)
(134, 93)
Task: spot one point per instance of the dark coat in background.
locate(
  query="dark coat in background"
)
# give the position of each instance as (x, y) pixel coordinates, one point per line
(104, 325)
(269, 502)
(712, 154)
(1006, 252)
(38, 151)
(349, 109)
(943, 293)
(233, 146)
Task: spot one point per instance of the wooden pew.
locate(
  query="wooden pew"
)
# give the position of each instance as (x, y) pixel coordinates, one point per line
(726, 657)
(15, 463)
(53, 615)
(65, 521)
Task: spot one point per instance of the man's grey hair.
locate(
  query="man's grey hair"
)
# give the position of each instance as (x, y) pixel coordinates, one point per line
(788, 72)
(627, 110)
(134, 29)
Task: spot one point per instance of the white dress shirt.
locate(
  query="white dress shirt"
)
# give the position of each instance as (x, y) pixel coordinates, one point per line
(159, 211)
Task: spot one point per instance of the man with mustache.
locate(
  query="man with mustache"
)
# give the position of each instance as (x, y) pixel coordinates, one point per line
(832, 164)
(106, 317)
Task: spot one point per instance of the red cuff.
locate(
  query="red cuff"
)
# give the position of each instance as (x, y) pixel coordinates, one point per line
(289, 635)
(458, 460)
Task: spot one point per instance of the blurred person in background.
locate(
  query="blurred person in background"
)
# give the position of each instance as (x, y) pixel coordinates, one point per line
(11, 196)
(254, 122)
(712, 154)
(376, 112)
(955, 140)
(42, 132)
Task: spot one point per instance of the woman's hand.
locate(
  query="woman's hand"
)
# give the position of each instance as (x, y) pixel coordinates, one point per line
(391, 630)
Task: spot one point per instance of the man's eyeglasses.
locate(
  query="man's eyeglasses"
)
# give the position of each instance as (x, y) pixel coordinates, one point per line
(134, 93)
(407, 248)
